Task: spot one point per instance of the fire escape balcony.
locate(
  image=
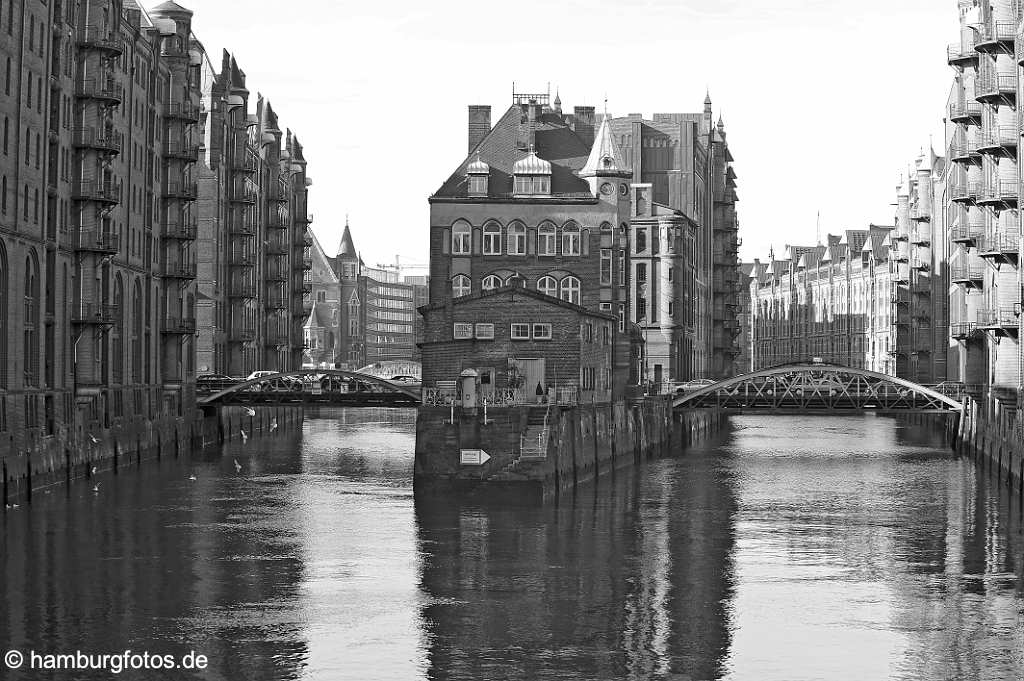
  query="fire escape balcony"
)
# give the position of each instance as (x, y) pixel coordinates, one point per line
(966, 234)
(276, 338)
(242, 289)
(999, 192)
(183, 111)
(964, 150)
(244, 193)
(182, 229)
(921, 237)
(275, 274)
(241, 226)
(968, 276)
(993, 87)
(960, 54)
(996, 36)
(964, 191)
(1000, 247)
(186, 191)
(274, 220)
(103, 88)
(95, 314)
(242, 335)
(277, 193)
(920, 215)
(963, 331)
(999, 140)
(244, 163)
(1004, 321)
(179, 326)
(965, 112)
(103, 141)
(275, 300)
(181, 150)
(98, 242)
(921, 265)
(94, 190)
(93, 38)
(179, 270)
(242, 259)
(276, 248)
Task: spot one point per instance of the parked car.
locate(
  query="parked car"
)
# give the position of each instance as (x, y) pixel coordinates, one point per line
(287, 382)
(405, 380)
(214, 382)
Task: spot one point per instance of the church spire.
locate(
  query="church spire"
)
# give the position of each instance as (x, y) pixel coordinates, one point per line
(605, 156)
(347, 247)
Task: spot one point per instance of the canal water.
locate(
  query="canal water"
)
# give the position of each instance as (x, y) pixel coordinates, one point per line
(790, 548)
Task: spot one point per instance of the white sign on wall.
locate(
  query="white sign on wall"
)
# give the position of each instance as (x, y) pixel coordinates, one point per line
(474, 457)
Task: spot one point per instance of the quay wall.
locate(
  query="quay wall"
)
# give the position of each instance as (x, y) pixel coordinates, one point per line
(993, 436)
(536, 451)
(63, 458)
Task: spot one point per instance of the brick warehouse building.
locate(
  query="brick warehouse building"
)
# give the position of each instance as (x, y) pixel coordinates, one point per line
(106, 132)
(544, 201)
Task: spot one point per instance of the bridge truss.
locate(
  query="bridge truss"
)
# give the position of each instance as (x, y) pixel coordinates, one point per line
(809, 388)
(312, 386)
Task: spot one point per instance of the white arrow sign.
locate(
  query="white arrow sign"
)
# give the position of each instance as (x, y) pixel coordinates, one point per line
(474, 457)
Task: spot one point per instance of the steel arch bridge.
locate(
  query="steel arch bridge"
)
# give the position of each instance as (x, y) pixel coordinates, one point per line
(313, 386)
(810, 388)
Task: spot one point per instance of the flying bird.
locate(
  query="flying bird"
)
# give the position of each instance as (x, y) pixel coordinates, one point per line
(93, 471)
(192, 477)
(96, 488)
(93, 439)
(250, 411)
(245, 438)
(273, 425)
(238, 466)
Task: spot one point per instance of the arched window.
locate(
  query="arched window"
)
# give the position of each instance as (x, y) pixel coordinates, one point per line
(136, 338)
(492, 238)
(117, 332)
(548, 286)
(606, 228)
(547, 239)
(571, 239)
(571, 290)
(461, 238)
(460, 286)
(31, 320)
(516, 239)
(4, 328)
(492, 281)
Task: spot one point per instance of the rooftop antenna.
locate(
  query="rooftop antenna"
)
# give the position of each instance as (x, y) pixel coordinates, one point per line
(818, 230)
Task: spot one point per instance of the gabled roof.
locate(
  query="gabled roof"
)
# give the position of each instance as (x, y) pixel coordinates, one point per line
(327, 267)
(510, 291)
(507, 142)
(170, 6)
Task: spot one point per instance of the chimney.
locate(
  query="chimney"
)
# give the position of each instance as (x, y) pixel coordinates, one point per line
(479, 124)
(583, 123)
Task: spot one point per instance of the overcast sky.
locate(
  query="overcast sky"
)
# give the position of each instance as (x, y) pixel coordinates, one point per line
(825, 102)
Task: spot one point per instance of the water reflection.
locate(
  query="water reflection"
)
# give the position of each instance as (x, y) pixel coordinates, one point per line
(852, 548)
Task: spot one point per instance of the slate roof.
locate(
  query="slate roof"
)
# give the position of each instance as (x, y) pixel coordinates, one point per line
(554, 140)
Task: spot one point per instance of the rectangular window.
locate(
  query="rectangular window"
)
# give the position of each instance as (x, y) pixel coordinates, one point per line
(520, 332)
(587, 378)
(517, 240)
(671, 308)
(622, 317)
(641, 272)
(622, 268)
(492, 241)
(485, 331)
(606, 267)
(605, 307)
(462, 331)
(541, 332)
(641, 309)
(461, 241)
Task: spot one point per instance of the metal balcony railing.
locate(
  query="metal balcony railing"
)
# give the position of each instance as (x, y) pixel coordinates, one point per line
(241, 226)
(185, 111)
(275, 192)
(966, 274)
(276, 248)
(1003, 318)
(103, 88)
(275, 274)
(242, 260)
(276, 301)
(95, 38)
(277, 338)
(93, 190)
(244, 193)
(959, 53)
(242, 289)
(964, 148)
(242, 335)
(996, 191)
(187, 191)
(179, 270)
(921, 264)
(184, 229)
(962, 330)
(993, 86)
(991, 33)
(998, 139)
(920, 215)
(245, 163)
(98, 139)
(921, 236)
(183, 150)
(95, 313)
(98, 242)
(965, 111)
(179, 326)
(966, 233)
(963, 191)
(999, 243)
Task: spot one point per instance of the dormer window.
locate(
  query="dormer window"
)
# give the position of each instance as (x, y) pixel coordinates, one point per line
(477, 174)
(532, 176)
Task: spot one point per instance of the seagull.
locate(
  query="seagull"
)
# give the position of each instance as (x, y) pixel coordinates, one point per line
(192, 477)
(93, 472)
(250, 411)
(96, 488)
(273, 425)
(93, 439)
(245, 438)
(238, 466)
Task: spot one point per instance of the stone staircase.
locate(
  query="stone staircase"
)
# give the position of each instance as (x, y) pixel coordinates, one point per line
(534, 449)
